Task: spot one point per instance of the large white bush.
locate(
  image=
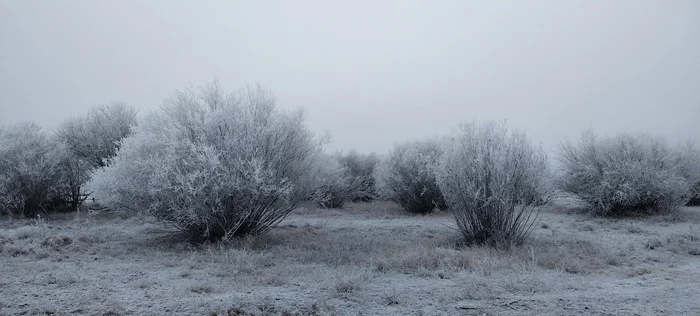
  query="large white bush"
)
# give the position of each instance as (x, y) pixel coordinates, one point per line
(29, 169)
(636, 173)
(492, 177)
(407, 176)
(213, 164)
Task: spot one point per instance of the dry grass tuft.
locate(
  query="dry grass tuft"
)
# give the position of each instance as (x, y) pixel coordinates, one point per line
(202, 289)
(56, 242)
(16, 251)
(683, 244)
(4, 240)
(635, 229)
(346, 287)
(27, 232)
(415, 258)
(574, 256)
(653, 243)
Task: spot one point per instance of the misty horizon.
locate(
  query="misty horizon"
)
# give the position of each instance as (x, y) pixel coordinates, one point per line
(372, 74)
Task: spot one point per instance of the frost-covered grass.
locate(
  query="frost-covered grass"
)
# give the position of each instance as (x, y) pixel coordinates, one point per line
(371, 258)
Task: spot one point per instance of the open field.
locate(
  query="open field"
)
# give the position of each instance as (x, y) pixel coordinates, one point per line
(366, 259)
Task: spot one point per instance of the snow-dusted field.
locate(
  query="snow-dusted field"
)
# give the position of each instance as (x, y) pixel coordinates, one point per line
(366, 259)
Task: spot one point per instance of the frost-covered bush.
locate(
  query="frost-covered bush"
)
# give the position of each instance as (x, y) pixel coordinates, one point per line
(407, 177)
(332, 187)
(689, 159)
(73, 175)
(694, 196)
(213, 164)
(489, 175)
(360, 169)
(628, 173)
(344, 177)
(95, 137)
(92, 140)
(541, 194)
(29, 169)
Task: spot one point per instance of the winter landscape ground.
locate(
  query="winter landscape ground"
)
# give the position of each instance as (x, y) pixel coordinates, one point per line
(365, 259)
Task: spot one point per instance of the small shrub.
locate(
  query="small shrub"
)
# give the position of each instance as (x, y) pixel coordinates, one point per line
(407, 177)
(213, 164)
(360, 170)
(488, 174)
(628, 173)
(345, 177)
(69, 194)
(333, 185)
(29, 169)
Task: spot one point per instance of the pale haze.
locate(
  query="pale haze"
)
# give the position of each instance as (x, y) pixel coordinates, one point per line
(372, 73)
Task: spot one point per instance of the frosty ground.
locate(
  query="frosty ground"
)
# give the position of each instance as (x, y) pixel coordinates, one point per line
(365, 259)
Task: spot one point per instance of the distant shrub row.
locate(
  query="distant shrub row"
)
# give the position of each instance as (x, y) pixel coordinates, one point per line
(220, 165)
(491, 177)
(624, 174)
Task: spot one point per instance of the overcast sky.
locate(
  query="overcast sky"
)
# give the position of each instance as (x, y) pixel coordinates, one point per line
(373, 73)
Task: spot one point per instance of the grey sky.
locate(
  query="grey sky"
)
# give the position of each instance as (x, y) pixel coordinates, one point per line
(371, 72)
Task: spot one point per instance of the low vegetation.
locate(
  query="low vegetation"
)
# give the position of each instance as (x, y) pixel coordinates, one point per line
(407, 176)
(368, 257)
(628, 173)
